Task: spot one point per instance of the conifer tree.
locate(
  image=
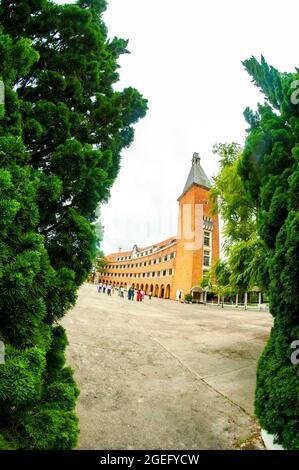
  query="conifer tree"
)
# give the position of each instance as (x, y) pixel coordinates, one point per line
(270, 171)
(62, 131)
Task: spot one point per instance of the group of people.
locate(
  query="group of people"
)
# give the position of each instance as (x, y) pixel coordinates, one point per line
(133, 294)
(105, 288)
(136, 294)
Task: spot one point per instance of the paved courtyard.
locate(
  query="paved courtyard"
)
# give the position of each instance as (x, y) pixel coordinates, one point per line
(163, 375)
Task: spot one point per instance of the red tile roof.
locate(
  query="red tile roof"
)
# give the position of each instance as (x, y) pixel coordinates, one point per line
(126, 253)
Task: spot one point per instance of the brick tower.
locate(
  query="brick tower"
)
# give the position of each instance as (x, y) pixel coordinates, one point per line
(198, 232)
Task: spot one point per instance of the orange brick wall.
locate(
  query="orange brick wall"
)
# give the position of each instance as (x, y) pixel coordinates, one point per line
(189, 263)
(148, 283)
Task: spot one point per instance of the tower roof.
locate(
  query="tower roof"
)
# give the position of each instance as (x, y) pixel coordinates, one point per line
(196, 175)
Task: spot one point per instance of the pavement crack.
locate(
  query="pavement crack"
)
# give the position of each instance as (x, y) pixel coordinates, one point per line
(195, 374)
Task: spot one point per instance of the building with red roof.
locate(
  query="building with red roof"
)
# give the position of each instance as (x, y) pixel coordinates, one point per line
(174, 267)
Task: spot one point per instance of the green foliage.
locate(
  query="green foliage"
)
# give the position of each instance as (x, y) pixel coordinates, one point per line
(269, 169)
(220, 274)
(229, 198)
(248, 264)
(62, 131)
(188, 297)
(245, 251)
(206, 281)
(101, 262)
(20, 377)
(55, 354)
(5, 444)
(48, 428)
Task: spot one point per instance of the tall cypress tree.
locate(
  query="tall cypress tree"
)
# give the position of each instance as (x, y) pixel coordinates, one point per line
(61, 136)
(270, 171)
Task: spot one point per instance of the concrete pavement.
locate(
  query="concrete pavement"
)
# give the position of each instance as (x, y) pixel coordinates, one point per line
(162, 375)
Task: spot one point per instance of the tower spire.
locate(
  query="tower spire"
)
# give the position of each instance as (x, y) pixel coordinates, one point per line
(196, 175)
(195, 159)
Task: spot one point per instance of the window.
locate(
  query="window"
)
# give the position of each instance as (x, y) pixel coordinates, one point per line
(170, 272)
(207, 239)
(164, 273)
(206, 258)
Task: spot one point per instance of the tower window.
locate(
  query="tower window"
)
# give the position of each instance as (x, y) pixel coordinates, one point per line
(206, 258)
(207, 239)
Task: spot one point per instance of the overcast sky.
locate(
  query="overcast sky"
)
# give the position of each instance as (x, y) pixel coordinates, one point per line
(186, 60)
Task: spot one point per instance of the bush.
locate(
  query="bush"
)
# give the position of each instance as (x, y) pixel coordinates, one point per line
(188, 298)
(270, 171)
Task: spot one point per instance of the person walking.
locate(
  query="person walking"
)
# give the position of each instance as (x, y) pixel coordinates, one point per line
(150, 295)
(122, 292)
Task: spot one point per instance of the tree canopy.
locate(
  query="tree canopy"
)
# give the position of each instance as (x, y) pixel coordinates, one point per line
(62, 131)
(269, 169)
(244, 250)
